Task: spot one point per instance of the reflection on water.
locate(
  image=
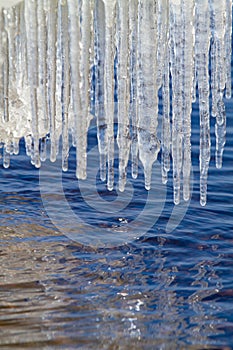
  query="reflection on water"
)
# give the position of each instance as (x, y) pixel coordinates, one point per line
(148, 295)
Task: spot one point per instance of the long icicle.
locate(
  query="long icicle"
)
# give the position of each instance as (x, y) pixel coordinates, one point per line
(219, 16)
(133, 109)
(123, 135)
(148, 142)
(202, 63)
(100, 112)
(51, 74)
(85, 46)
(32, 54)
(109, 84)
(176, 68)
(74, 29)
(228, 36)
(187, 73)
(65, 86)
(166, 130)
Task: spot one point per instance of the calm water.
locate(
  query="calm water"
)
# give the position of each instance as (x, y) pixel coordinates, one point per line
(169, 288)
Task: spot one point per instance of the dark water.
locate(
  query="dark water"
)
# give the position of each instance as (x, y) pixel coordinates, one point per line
(167, 287)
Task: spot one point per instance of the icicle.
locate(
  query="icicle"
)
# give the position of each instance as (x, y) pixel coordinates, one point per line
(162, 37)
(133, 111)
(74, 28)
(42, 68)
(194, 89)
(218, 32)
(6, 155)
(32, 54)
(219, 10)
(166, 132)
(109, 85)
(16, 146)
(213, 79)
(99, 86)
(43, 149)
(28, 145)
(85, 43)
(123, 136)
(86, 47)
(59, 78)
(20, 48)
(51, 66)
(91, 93)
(202, 46)
(220, 132)
(65, 84)
(149, 145)
(187, 76)
(11, 22)
(176, 69)
(228, 37)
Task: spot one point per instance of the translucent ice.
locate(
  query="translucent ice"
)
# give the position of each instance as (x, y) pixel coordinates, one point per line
(64, 62)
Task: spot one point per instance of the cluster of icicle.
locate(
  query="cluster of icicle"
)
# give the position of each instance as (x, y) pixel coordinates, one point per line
(64, 62)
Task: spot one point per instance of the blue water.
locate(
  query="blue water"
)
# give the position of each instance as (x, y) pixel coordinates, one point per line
(166, 287)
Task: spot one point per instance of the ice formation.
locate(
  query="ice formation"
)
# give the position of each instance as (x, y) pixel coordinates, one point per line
(65, 62)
